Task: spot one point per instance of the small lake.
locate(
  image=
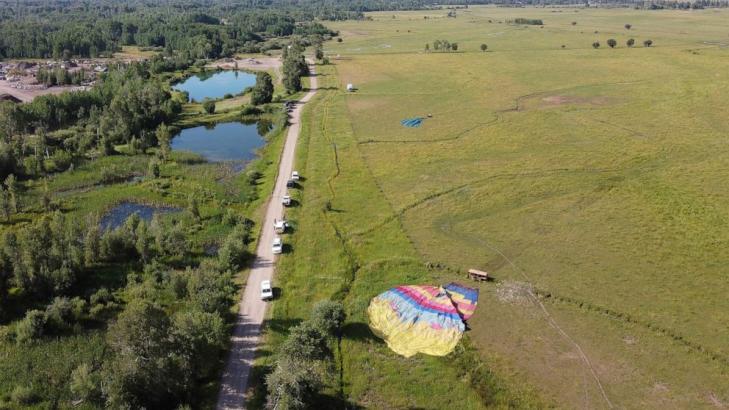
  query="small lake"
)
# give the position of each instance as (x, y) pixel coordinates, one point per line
(215, 84)
(117, 215)
(228, 141)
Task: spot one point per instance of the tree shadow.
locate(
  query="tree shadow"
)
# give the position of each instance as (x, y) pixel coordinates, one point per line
(279, 325)
(328, 401)
(359, 331)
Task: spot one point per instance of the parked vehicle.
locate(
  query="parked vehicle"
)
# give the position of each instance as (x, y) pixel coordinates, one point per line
(295, 175)
(290, 183)
(280, 226)
(286, 200)
(266, 290)
(277, 247)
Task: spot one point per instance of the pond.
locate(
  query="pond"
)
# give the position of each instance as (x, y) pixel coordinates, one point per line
(215, 84)
(116, 216)
(228, 141)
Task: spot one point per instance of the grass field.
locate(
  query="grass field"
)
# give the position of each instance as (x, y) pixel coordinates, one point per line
(594, 176)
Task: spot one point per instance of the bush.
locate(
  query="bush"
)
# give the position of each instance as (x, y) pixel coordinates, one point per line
(31, 327)
(612, 43)
(85, 383)
(23, 396)
(59, 314)
(250, 110)
(209, 106)
(531, 22)
(101, 296)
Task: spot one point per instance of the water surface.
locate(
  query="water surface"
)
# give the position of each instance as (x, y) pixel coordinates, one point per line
(116, 216)
(228, 141)
(215, 84)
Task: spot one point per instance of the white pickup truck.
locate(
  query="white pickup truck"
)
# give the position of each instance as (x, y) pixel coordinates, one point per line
(286, 200)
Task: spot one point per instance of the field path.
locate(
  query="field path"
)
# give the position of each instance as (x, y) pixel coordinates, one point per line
(252, 309)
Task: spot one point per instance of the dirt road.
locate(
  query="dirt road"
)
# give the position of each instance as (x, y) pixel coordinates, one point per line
(252, 309)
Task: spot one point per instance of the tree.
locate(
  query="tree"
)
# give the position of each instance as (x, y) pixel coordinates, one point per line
(143, 371)
(210, 290)
(164, 139)
(630, 42)
(153, 169)
(454, 46)
(292, 384)
(648, 43)
(91, 241)
(263, 90)
(318, 52)
(328, 316)
(484, 47)
(199, 337)
(193, 207)
(5, 204)
(596, 45)
(427, 47)
(209, 106)
(12, 187)
(628, 26)
(612, 43)
(306, 342)
(46, 199)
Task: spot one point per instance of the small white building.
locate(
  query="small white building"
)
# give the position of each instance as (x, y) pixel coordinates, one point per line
(350, 87)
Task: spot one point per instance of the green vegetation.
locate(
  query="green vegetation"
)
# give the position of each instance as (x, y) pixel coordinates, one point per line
(294, 66)
(596, 185)
(263, 90)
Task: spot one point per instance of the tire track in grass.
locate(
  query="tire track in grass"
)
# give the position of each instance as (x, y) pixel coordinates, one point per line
(534, 174)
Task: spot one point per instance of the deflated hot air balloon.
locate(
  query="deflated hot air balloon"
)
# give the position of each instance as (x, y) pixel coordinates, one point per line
(422, 319)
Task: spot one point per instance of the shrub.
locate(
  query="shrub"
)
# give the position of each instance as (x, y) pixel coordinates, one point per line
(24, 396)
(31, 327)
(596, 45)
(612, 43)
(250, 110)
(630, 42)
(85, 383)
(531, 22)
(101, 296)
(209, 106)
(648, 43)
(59, 314)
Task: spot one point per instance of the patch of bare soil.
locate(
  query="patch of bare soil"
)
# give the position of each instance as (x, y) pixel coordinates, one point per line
(251, 63)
(27, 92)
(516, 293)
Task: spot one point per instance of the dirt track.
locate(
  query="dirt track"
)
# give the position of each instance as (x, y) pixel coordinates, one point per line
(252, 309)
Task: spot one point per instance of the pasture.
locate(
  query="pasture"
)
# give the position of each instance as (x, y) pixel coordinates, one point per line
(591, 178)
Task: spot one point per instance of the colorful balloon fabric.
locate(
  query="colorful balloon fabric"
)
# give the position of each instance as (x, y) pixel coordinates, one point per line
(422, 319)
(464, 299)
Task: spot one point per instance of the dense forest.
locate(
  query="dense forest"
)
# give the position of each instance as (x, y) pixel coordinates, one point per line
(66, 29)
(205, 29)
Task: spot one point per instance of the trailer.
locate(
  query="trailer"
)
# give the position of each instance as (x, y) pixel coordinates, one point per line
(478, 275)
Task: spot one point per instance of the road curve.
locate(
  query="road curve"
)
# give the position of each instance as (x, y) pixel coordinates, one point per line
(252, 309)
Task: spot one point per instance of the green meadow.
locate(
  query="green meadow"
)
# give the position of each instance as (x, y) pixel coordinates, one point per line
(591, 183)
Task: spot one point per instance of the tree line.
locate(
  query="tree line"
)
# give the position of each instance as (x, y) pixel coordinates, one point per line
(204, 30)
